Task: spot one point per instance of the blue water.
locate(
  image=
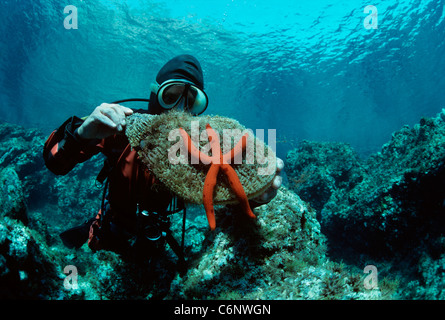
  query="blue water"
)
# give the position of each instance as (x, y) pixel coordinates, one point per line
(309, 70)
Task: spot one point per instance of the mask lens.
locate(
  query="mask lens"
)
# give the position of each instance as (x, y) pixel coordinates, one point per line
(197, 101)
(170, 95)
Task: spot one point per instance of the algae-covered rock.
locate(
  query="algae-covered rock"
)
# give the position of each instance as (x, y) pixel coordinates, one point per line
(281, 255)
(21, 148)
(392, 207)
(74, 197)
(316, 170)
(27, 269)
(12, 198)
(235, 259)
(392, 201)
(399, 205)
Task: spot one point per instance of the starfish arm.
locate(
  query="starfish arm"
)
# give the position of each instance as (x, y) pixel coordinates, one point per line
(207, 195)
(238, 189)
(214, 145)
(237, 149)
(192, 150)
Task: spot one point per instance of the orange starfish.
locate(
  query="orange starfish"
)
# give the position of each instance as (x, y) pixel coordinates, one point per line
(218, 161)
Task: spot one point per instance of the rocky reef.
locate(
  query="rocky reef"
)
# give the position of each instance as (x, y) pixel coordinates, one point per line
(338, 214)
(281, 255)
(388, 208)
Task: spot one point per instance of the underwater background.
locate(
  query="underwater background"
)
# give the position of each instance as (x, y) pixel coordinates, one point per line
(357, 104)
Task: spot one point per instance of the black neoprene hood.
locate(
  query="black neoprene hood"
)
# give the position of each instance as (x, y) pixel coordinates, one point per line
(182, 67)
(185, 67)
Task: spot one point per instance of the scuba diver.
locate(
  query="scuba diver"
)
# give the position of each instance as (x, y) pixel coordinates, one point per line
(133, 218)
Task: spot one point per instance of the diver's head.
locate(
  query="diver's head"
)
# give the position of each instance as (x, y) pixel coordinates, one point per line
(179, 85)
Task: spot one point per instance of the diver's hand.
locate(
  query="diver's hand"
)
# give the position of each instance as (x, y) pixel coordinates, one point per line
(106, 120)
(273, 189)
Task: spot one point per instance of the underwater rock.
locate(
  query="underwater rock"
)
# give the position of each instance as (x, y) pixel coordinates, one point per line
(281, 255)
(317, 169)
(235, 260)
(21, 148)
(75, 194)
(393, 208)
(38, 205)
(27, 268)
(11, 196)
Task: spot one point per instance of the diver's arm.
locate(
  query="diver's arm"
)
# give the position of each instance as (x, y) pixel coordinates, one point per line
(104, 121)
(78, 139)
(64, 148)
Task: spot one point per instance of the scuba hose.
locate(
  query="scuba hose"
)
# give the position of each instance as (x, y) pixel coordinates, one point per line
(131, 100)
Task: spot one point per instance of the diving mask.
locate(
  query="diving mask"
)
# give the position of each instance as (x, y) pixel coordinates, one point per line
(176, 92)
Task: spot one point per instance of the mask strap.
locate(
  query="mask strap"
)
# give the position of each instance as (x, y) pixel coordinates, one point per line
(154, 87)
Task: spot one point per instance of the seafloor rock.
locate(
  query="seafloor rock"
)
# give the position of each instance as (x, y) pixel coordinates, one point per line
(11, 196)
(281, 255)
(316, 170)
(75, 195)
(27, 268)
(21, 149)
(399, 206)
(393, 207)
